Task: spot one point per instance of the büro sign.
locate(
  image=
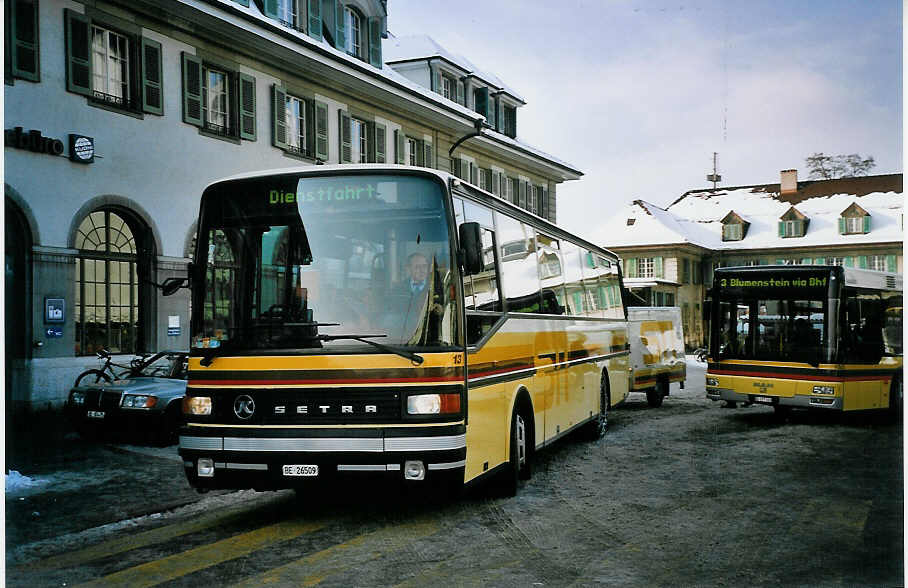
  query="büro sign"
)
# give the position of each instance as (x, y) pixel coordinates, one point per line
(33, 141)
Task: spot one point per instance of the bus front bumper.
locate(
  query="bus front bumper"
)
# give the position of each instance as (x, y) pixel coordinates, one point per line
(797, 401)
(262, 463)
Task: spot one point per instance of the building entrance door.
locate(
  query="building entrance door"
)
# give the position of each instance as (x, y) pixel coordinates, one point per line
(17, 325)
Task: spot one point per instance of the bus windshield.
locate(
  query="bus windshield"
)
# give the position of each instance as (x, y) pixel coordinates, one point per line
(295, 262)
(765, 316)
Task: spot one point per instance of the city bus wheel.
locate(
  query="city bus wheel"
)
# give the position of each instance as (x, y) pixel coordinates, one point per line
(781, 412)
(895, 399)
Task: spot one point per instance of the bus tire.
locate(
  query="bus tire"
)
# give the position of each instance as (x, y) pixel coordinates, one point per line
(596, 428)
(519, 455)
(895, 399)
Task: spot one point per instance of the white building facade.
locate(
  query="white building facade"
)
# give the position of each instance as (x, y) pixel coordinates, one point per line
(117, 115)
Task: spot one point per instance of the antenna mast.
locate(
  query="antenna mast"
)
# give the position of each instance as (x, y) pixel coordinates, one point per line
(714, 177)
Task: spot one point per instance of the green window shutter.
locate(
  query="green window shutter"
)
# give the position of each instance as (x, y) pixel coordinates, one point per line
(867, 224)
(632, 267)
(278, 116)
(375, 42)
(806, 261)
(242, 3)
(522, 194)
(270, 8)
(381, 143)
(152, 77)
(247, 107)
(891, 263)
(23, 28)
(764, 262)
(420, 154)
(819, 261)
(428, 154)
(781, 228)
(862, 262)
(459, 92)
(436, 79)
(841, 225)
(780, 262)
(343, 134)
(315, 20)
(192, 89)
(495, 183)
(482, 102)
(657, 267)
(78, 54)
(849, 262)
(370, 142)
(321, 131)
(399, 143)
(500, 118)
(340, 31)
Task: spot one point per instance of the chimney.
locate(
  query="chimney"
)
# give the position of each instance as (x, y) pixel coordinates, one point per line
(789, 181)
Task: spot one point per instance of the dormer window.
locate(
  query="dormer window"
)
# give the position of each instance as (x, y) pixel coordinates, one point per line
(288, 13)
(353, 23)
(734, 228)
(854, 220)
(793, 224)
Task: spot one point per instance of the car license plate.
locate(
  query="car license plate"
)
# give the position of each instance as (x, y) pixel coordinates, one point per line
(95, 414)
(300, 470)
(763, 399)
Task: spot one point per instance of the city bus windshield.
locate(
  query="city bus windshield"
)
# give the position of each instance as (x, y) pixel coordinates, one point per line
(296, 262)
(772, 317)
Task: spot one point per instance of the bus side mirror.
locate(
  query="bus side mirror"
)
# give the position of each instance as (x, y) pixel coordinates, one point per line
(171, 285)
(471, 248)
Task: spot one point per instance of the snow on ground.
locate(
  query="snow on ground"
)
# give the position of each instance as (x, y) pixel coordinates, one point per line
(16, 483)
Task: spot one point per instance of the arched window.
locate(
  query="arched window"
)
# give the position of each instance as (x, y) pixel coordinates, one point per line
(107, 285)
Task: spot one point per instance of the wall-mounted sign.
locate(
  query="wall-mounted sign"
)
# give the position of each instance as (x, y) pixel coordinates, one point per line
(32, 141)
(173, 325)
(81, 148)
(54, 310)
(53, 332)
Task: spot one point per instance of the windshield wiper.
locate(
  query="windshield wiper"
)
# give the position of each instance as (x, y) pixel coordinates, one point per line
(386, 348)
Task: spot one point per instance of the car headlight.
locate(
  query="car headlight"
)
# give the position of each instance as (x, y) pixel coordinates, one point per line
(433, 404)
(138, 401)
(77, 398)
(712, 381)
(197, 405)
(823, 390)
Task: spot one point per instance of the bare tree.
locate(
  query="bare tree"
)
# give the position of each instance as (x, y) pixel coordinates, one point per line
(830, 167)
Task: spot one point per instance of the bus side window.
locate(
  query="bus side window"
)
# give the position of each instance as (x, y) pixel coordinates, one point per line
(481, 291)
(863, 339)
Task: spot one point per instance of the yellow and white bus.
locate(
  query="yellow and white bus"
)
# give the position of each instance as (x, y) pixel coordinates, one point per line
(817, 337)
(365, 320)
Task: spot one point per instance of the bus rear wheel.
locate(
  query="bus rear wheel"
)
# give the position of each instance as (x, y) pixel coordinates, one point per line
(655, 396)
(596, 428)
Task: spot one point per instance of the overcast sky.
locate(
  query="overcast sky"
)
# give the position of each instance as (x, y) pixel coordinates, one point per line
(639, 94)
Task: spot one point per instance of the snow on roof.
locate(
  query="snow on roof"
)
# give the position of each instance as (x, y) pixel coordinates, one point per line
(696, 219)
(414, 47)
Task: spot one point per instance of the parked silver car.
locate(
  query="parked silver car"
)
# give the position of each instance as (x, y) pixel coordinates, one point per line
(146, 402)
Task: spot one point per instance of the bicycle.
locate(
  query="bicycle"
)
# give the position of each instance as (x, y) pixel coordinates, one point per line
(106, 372)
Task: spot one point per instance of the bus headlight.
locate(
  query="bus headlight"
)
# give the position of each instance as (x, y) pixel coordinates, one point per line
(712, 381)
(433, 404)
(197, 405)
(823, 390)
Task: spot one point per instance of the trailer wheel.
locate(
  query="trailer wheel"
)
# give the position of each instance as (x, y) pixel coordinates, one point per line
(655, 395)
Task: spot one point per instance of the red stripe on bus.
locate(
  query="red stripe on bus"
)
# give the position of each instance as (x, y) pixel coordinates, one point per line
(308, 382)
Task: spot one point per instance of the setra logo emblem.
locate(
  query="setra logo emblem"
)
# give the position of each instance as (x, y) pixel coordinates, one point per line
(243, 407)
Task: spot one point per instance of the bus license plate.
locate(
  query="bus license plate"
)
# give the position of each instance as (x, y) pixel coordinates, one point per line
(95, 414)
(763, 399)
(300, 470)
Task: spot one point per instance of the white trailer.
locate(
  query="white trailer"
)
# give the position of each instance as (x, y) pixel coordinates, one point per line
(657, 350)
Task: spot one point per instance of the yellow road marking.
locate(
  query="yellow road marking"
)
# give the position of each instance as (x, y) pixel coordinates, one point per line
(143, 539)
(181, 564)
(312, 569)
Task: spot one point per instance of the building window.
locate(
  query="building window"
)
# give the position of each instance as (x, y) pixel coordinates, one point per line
(107, 285)
(854, 224)
(21, 40)
(353, 24)
(110, 66)
(216, 100)
(448, 86)
(645, 267)
(359, 141)
(791, 228)
(412, 151)
(295, 112)
(287, 13)
(732, 232)
(876, 262)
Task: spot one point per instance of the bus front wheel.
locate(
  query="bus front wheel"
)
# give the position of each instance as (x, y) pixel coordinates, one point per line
(519, 462)
(895, 398)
